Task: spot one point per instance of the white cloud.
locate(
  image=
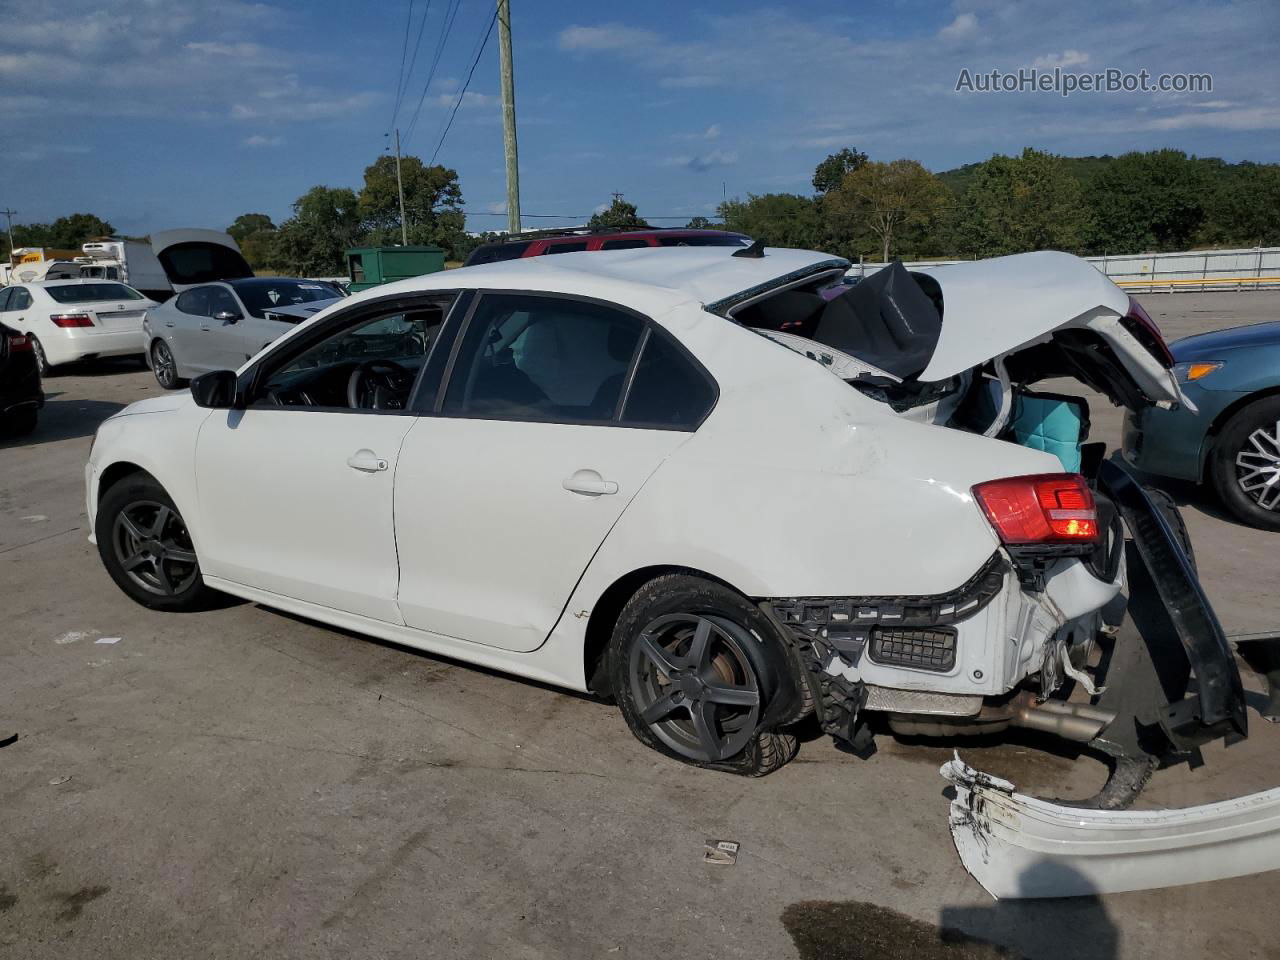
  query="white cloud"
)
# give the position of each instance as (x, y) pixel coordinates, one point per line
(497, 206)
(964, 25)
(261, 140)
(692, 81)
(1246, 118)
(703, 162)
(1063, 60)
(313, 107)
(713, 132)
(469, 99)
(609, 36)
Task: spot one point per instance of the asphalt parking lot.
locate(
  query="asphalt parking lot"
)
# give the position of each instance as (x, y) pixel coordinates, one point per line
(241, 783)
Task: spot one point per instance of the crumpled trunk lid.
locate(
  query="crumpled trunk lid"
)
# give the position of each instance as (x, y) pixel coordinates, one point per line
(1006, 305)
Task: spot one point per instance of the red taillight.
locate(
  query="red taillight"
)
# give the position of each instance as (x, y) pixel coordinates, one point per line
(1045, 508)
(1139, 323)
(20, 343)
(66, 320)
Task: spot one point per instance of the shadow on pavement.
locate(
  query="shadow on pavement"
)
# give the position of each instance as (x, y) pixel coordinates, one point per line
(64, 420)
(1077, 928)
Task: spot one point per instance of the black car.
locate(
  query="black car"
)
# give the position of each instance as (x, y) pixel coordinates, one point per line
(20, 394)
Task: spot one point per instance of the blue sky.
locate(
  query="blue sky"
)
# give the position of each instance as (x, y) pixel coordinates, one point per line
(165, 113)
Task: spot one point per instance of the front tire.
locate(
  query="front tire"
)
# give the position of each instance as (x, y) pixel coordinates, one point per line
(1244, 467)
(144, 544)
(165, 367)
(701, 676)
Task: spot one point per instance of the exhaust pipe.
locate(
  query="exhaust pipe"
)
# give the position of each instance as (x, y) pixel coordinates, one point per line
(1072, 721)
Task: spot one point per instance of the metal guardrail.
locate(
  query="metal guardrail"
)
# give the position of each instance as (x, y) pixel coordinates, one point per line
(1255, 268)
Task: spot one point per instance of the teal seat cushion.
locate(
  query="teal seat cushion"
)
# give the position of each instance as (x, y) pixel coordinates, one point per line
(1054, 424)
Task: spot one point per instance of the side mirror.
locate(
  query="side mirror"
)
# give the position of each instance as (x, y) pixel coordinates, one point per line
(226, 316)
(215, 390)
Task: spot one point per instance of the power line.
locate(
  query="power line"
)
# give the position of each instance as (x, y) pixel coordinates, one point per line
(463, 92)
(417, 43)
(404, 49)
(450, 16)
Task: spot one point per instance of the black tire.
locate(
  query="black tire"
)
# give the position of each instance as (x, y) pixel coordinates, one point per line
(165, 367)
(1252, 435)
(741, 659)
(21, 423)
(42, 361)
(138, 521)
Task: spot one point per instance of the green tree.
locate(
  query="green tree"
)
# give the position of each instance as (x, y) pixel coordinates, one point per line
(779, 219)
(702, 223)
(1243, 209)
(891, 201)
(313, 242)
(1149, 201)
(1016, 204)
(256, 236)
(65, 233)
(432, 204)
(619, 214)
(830, 173)
(247, 224)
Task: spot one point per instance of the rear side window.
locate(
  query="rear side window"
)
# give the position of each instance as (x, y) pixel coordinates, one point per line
(542, 358)
(495, 252)
(4, 298)
(194, 302)
(629, 244)
(575, 246)
(669, 390)
(92, 292)
(20, 299)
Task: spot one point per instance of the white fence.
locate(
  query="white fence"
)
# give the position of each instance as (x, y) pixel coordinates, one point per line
(1245, 269)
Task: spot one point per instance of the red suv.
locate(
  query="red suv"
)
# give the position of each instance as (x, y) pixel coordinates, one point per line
(573, 241)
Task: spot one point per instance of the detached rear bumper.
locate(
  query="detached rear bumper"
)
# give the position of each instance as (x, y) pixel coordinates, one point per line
(1017, 846)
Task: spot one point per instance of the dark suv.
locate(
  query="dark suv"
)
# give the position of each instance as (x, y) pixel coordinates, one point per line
(572, 241)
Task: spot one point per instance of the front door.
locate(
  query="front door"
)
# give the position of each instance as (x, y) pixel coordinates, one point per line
(506, 492)
(295, 492)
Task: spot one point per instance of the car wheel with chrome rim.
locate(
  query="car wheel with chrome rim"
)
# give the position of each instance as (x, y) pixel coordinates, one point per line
(1244, 466)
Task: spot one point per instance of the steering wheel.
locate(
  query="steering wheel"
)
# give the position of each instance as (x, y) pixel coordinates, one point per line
(379, 385)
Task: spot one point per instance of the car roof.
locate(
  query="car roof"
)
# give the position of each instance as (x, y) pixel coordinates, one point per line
(644, 277)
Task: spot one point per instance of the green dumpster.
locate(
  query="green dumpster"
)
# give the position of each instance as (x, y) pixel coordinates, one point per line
(369, 266)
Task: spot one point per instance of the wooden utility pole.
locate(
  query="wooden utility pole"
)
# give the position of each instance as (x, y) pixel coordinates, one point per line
(509, 116)
(400, 186)
(8, 214)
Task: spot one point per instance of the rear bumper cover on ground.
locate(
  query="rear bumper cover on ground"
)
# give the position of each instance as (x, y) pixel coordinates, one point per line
(1019, 847)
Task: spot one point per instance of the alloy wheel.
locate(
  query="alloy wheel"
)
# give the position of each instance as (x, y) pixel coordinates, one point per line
(154, 549)
(166, 370)
(1258, 467)
(694, 686)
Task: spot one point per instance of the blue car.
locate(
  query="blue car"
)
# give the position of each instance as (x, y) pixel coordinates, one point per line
(1233, 443)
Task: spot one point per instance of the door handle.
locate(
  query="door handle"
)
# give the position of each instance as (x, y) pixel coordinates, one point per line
(590, 483)
(168, 323)
(366, 461)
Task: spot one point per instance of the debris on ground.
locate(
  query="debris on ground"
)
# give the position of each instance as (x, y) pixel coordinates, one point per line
(5, 741)
(107, 640)
(73, 636)
(721, 851)
(58, 781)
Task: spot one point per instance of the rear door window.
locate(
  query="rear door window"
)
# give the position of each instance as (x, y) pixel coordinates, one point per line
(574, 246)
(4, 298)
(630, 244)
(194, 302)
(542, 358)
(20, 299)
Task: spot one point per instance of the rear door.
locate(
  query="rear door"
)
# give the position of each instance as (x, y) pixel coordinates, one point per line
(184, 328)
(522, 464)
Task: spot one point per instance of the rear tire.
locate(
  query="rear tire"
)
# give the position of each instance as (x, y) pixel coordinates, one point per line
(165, 367)
(701, 676)
(42, 360)
(1247, 454)
(144, 544)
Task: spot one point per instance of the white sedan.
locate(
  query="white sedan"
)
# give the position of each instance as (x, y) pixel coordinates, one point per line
(69, 320)
(700, 481)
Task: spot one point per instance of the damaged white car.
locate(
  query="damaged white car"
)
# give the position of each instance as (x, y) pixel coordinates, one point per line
(715, 486)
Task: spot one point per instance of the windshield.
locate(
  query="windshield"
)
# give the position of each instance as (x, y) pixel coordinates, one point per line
(92, 292)
(259, 296)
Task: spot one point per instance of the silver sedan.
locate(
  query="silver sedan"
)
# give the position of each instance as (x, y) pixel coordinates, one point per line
(218, 326)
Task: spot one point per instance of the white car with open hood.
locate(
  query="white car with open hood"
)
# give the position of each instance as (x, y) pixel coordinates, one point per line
(709, 485)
